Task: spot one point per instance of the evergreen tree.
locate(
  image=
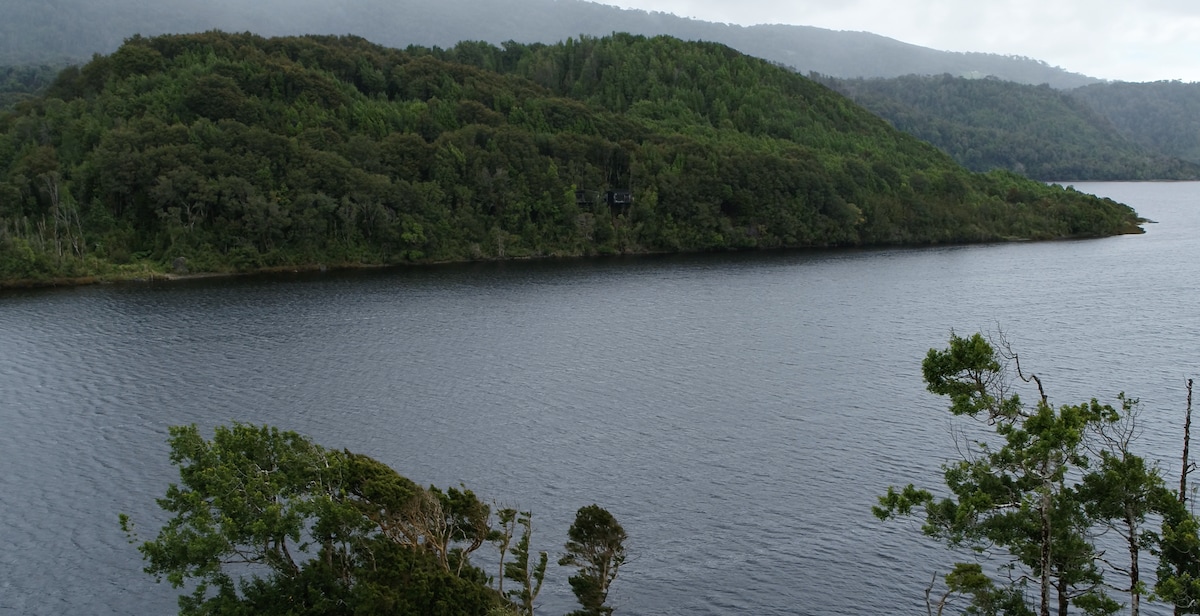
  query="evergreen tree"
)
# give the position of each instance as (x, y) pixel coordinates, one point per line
(597, 548)
(1014, 493)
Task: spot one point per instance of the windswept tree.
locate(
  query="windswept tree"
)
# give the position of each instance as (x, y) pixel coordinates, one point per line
(267, 522)
(1013, 491)
(1179, 553)
(528, 574)
(1120, 494)
(502, 537)
(597, 548)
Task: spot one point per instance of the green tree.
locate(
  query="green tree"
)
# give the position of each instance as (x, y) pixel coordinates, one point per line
(529, 575)
(1179, 559)
(985, 598)
(1055, 480)
(597, 547)
(267, 522)
(502, 537)
(1119, 495)
(1179, 553)
(1013, 493)
(245, 499)
(463, 527)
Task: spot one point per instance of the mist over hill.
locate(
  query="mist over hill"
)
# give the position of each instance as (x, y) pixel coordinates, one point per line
(1163, 116)
(38, 31)
(1038, 131)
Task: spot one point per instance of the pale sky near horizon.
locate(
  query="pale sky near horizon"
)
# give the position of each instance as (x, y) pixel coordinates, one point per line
(1126, 40)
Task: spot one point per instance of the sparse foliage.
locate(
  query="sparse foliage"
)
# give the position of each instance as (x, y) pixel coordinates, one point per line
(1179, 553)
(528, 574)
(1016, 491)
(1051, 483)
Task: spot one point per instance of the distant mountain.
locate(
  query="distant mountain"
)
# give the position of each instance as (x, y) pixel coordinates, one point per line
(234, 152)
(38, 31)
(1163, 116)
(1036, 131)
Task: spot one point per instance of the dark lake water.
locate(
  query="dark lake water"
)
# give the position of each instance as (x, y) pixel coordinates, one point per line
(738, 413)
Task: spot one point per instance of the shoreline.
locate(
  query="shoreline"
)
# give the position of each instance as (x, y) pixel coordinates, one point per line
(148, 275)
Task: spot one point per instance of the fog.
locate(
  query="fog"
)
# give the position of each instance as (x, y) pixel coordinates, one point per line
(73, 30)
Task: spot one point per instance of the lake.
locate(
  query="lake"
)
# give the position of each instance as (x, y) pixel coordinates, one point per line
(737, 413)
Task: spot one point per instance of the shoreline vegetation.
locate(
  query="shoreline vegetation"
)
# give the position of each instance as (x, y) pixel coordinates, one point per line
(217, 153)
(155, 273)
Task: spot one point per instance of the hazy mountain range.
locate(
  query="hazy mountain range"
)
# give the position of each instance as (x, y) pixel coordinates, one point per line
(1163, 116)
(1106, 131)
(72, 30)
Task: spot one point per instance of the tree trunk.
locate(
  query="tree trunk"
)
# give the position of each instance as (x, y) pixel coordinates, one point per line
(1045, 556)
(1187, 435)
(1135, 594)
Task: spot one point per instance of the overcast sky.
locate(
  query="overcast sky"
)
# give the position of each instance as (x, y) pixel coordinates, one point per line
(1128, 40)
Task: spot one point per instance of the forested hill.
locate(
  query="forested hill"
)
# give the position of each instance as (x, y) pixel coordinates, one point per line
(39, 31)
(219, 152)
(19, 83)
(1162, 116)
(1039, 132)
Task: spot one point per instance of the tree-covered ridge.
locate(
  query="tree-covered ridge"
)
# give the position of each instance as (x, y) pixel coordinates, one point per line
(1163, 116)
(20, 83)
(221, 152)
(1042, 133)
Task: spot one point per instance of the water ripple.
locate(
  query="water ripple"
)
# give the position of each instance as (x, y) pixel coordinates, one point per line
(738, 413)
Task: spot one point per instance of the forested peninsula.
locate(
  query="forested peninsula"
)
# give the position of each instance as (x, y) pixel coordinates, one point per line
(224, 152)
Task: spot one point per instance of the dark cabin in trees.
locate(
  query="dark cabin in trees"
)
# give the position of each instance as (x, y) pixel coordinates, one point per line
(614, 198)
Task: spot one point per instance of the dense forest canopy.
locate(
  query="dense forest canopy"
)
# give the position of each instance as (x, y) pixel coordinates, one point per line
(234, 152)
(1139, 130)
(1039, 132)
(1162, 116)
(21, 83)
(38, 31)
